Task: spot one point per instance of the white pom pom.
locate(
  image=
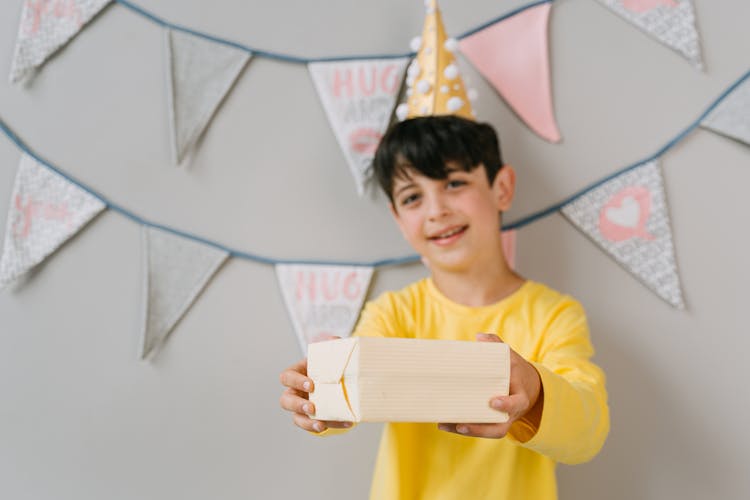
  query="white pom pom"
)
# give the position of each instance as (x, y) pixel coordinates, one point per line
(409, 92)
(414, 68)
(423, 86)
(430, 10)
(410, 80)
(428, 50)
(425, 110)
(451, 71)
(454, 104)
(451, 44)
(472, 94)
(416, 43)
(444, 89)
(402, 110)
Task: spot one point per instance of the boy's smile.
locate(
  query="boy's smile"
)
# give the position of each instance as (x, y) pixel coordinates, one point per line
(454, 223)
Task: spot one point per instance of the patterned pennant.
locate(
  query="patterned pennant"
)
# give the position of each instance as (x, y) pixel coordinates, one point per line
(46, 210)
(201, 73)
(359, 97)
(524, 82)
(732, 116)
(672, 22)
(323, 300)
(628, 217)
(47, 25)
(176, 272)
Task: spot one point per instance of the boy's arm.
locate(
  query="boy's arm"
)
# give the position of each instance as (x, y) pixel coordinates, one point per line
(574, 420)
(557, 404)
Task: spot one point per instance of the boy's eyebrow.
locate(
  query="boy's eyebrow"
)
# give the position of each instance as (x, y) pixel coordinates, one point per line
(404, 188)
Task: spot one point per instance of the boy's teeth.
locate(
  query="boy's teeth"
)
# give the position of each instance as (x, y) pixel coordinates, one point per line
(450, 233)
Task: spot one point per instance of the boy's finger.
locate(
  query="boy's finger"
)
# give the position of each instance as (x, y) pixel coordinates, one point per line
(295, 380)
(308, 424)
(514, 405)
(338, 425)
(493, 431)
(291, 401)
(488, 337)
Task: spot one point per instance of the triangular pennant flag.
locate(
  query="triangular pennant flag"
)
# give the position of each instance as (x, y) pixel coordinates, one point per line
(358, 98)
(45, 211)
(513, 56)
(45, 27)
(177, 270)
(323, 300)
(672, 22)
(731, 117)
(201, 73)
(628, 217)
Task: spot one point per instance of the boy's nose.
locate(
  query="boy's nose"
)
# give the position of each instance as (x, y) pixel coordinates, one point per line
(437, 207)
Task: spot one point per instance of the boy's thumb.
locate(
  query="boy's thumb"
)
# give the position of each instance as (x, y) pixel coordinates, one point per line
(488, 337)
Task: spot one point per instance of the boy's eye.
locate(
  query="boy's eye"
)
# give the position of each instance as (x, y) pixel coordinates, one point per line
(454, 183)
(409, 199)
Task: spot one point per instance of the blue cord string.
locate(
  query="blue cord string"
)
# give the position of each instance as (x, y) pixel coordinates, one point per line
(378, 263)
(304, 60)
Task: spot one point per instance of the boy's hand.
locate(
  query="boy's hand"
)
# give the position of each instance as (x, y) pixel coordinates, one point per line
(295, 399)
(525, 398)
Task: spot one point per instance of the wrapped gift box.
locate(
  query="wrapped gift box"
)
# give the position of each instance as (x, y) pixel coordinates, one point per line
(374, 379)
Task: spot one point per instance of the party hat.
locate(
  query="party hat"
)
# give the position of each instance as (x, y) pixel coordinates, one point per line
(434, 83)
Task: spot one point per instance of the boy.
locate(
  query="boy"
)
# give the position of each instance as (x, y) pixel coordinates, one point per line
(447, 188)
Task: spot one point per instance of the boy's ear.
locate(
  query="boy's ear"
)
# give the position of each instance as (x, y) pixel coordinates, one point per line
(504, 187)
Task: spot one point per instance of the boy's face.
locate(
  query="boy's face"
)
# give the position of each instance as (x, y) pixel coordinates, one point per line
(454, 222)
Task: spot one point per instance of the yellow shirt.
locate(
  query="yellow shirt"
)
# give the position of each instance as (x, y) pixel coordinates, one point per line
(417, 461)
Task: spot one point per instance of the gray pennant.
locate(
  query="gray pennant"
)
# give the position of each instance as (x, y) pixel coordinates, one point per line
(731, 117)
(177, 270)
(45, 211)
(201, 73)
(45, 27)
(628, 218)
(672, 22)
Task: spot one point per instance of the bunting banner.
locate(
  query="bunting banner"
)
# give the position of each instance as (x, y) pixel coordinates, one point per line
(46, 210)
(358, 98)
(627, 216)
(201, 74)
(513, 56)
(323, 300)
(672, 22)
(732, 115)
(177, 270)
(47, 25)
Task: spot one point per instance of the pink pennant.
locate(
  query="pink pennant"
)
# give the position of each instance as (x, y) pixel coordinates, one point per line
(513, 56)
(624, 216)
(640, 6)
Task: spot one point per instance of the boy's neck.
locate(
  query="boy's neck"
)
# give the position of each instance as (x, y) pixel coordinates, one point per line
(480, 285)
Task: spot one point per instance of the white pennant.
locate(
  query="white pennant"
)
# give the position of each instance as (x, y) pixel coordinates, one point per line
(177, 270)
(45, 211)
(359, 97)
(323, 300)
(672, 22)
(628, 217)
(731, 117)
(47, 25)
(201, 73)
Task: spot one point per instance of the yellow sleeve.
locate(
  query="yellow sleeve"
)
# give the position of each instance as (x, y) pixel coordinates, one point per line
(575, 415)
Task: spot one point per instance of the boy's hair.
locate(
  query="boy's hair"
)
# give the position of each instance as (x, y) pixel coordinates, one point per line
(425, 144)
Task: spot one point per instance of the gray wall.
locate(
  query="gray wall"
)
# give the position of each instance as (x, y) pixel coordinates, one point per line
(81, 418)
